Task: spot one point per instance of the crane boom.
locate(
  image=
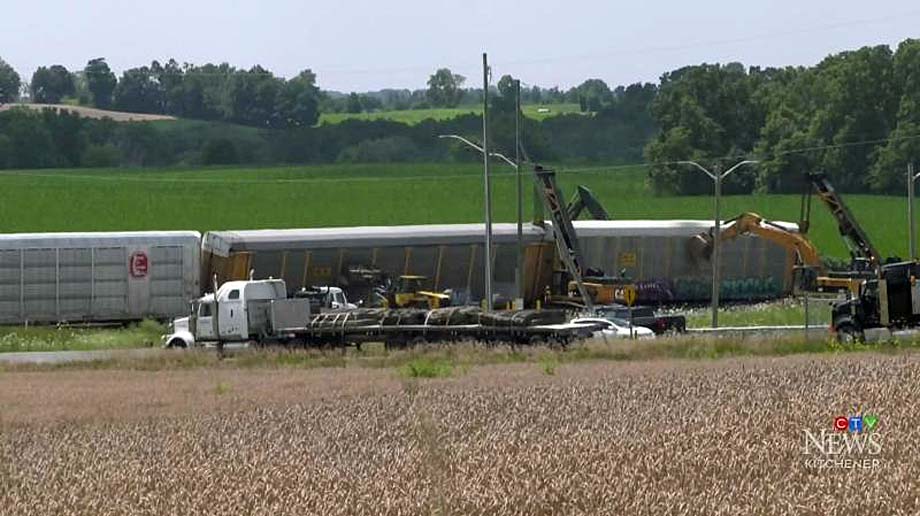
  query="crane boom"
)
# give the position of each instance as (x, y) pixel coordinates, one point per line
(854, 237)
(563, 231)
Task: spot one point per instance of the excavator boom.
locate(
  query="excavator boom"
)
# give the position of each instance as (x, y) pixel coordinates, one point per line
(753, 224)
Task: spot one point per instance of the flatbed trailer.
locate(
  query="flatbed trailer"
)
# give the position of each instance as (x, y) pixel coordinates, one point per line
(396, 336)
(260, 312)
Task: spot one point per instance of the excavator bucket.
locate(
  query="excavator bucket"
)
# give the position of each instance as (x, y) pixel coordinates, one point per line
(699, 247)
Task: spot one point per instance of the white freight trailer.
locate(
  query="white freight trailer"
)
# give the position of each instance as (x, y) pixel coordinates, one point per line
(95, 277)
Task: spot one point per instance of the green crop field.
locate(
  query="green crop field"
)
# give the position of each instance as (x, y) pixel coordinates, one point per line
(346, 195)
(414, 116)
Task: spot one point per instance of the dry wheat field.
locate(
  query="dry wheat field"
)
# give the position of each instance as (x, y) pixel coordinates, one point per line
(655, 437)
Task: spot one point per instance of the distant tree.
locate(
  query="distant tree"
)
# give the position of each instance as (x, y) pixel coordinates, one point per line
(444, 88)
(554, 96)
(354, 103)
(903, 147)
(504, 102)
(28, 142)
(9, 83)
(704, 112)
(202, 94)
(298, 101)
(101, 82)
(171, 78)
(140, 91)
(848, 97)
(536, 96)
(370, 103)
(594, 95)
(50, 85)
(251, 98)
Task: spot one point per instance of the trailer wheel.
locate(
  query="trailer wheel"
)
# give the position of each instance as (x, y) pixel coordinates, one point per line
(849, 333)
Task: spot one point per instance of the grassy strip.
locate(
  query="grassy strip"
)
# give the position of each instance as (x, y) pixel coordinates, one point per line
(415, 116)
(784, 312)
(451, 360)
(50, 338)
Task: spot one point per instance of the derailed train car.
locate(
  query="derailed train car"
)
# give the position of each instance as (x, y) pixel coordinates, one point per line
(656, 255)
(93, 277)
(652, 253)
(450, 256)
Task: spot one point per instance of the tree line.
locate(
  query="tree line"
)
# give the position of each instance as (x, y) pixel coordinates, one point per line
(855, 115)
(253, 97)
(273, 120)
(48, 139)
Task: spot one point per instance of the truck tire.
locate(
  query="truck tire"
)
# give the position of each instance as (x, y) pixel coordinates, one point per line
(176, 343)
(848, 332)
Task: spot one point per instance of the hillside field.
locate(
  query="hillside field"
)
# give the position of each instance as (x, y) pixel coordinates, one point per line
(414, 116)
(388, 194)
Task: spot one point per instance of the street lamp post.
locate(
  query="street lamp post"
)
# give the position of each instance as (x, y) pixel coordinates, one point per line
(717, 178)
(911, 179)
(488, 180)
(519, 276)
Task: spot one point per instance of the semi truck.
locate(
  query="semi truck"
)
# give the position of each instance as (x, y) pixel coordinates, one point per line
(260, 311)
(890, 301)
(241, 311)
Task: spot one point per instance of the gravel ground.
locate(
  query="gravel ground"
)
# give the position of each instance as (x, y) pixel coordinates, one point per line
(661, 437)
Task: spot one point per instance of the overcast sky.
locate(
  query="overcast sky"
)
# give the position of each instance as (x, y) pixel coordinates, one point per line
(358, 45)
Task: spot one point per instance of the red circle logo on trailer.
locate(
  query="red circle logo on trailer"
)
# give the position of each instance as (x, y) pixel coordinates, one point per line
(139, 265)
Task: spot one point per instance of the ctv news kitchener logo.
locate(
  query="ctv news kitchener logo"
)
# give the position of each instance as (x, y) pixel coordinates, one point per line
(853, 443)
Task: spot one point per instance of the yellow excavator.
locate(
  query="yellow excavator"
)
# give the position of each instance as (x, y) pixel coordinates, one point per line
(809, 272)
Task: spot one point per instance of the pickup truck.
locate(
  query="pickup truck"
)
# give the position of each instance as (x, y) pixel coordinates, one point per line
(325, 298)
(644, 316)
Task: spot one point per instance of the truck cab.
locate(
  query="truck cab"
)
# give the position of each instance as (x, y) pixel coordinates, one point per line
(892, 300)
(239, 311)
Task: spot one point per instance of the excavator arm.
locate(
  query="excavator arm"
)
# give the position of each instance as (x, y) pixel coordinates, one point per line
(753, 224)
(808, 273)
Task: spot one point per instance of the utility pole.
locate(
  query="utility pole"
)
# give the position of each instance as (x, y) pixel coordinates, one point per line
(716, 250)
(717, 178)
(487, 255)
(911, 179)
(519, 276)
